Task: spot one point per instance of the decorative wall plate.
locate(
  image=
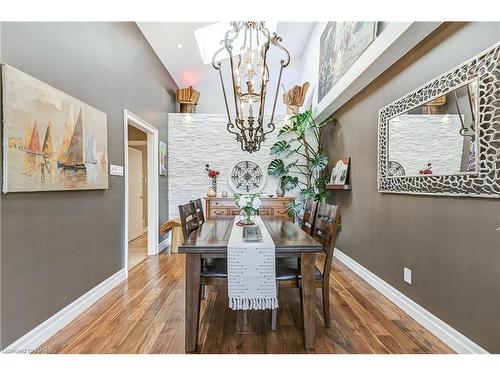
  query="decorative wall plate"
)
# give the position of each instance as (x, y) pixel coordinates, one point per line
(246, 176)
(484, 181)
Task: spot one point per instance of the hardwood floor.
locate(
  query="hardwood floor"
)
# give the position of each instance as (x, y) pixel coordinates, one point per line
(145, 314)
(137, 250)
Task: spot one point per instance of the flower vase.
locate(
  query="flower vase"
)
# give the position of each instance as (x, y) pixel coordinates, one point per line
(214, 186)
(248, 217)
(280, 192)
(211, 192)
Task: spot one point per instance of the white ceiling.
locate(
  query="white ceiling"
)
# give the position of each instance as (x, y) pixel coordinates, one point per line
(186, 66)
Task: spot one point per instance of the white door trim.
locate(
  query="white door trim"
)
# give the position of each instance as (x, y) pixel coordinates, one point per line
(153, 216)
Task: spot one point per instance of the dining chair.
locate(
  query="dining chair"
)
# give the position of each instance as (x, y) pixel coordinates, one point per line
(189, 219)
(199, 210)
(325, 230)
(308, 216)
(213, 270)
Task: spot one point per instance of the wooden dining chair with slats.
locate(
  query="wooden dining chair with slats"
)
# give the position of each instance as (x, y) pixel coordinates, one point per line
(199, 210)
(189, 219)
(213, 270)
(309, 215)
(325, 231)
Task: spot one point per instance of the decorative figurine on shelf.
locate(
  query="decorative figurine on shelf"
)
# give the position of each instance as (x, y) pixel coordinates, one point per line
(249, 204)
(294, 98)
(188, 99)
(213, 174)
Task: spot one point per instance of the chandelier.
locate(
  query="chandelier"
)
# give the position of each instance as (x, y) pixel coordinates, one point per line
(249, 76)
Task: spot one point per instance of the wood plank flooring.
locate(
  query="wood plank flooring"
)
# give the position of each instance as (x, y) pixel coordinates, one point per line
(137, 250)
(145, 314)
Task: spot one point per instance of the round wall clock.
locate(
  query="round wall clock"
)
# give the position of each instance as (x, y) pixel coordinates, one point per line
(246, 177)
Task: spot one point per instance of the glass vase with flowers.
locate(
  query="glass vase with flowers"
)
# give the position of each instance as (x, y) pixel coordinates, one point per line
(249, 204)
(213, 174)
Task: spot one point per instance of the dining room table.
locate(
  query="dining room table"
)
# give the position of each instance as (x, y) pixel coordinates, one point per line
(211, 239)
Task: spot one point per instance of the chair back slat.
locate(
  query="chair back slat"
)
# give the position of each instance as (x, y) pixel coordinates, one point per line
(326, 226)
(189, 219)
(309, 215)
(199, 210)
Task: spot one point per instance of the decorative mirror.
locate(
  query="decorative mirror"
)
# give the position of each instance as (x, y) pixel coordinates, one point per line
(444, 137)
(246, 177)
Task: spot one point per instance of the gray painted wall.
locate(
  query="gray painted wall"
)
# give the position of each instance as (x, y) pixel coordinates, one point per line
(449, 243)
(56, 246)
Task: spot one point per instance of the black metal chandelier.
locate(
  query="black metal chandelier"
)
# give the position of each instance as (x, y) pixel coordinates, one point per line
(250, 76)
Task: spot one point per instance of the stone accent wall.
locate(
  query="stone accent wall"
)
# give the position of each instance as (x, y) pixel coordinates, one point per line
(197, 139)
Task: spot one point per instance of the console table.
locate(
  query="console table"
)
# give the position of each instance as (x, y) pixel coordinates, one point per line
(220, 207)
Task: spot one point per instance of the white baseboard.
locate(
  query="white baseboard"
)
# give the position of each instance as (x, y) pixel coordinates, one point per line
(436, 326)
(38, 335)
(164, 244)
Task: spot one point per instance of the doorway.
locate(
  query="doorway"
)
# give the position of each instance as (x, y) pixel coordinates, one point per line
(137, 196)
(141, 190)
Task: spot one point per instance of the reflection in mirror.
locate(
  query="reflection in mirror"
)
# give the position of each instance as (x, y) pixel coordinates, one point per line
(436, 138)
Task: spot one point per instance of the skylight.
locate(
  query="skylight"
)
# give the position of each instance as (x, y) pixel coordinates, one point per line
(208, 39)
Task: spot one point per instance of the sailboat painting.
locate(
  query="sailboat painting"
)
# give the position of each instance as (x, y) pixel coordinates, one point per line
(52, 141)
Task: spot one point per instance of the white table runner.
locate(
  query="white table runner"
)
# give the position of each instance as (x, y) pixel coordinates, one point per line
(251, 271)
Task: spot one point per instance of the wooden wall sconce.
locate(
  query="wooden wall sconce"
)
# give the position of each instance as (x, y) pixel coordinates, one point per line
(294, 98)
(434, 107)
(188, 99)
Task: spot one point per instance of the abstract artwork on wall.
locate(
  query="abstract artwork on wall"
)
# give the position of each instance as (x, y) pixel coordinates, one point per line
(52, 141)
(341, 44)
(163, 158)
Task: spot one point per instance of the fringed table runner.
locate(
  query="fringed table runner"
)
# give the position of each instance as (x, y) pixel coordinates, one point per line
(251, 270)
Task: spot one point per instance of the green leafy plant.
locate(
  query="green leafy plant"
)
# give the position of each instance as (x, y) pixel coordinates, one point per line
(301, 137)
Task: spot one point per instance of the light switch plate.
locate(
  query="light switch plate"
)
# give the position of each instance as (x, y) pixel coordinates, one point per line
(407, 275)
(116, 170)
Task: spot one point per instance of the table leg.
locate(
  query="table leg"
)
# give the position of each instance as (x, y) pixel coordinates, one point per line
(192, 311)
(307, 264)
(242, 322)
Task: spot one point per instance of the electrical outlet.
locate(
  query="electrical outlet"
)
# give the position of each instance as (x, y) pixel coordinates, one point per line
(407, 275)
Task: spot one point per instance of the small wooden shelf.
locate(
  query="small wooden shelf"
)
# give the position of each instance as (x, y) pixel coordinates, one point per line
(338, 187)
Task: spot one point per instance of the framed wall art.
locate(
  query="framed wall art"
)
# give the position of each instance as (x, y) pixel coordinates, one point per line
(340, 172)
(341, 44)
(162, 149)
(52, 141)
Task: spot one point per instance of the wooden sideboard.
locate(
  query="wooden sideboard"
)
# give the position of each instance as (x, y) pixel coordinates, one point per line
(224, 207)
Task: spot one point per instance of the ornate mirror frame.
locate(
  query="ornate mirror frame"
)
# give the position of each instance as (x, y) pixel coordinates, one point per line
(485, 67)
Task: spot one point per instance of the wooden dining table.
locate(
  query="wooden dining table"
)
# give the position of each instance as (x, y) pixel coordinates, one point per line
(210, 241)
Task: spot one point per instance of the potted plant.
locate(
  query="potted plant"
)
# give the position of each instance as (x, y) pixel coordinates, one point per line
(301, 137)
(213, 174)
(249, 204)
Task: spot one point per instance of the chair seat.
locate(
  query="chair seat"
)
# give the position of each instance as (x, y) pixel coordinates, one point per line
(214, 267)
(288, 269)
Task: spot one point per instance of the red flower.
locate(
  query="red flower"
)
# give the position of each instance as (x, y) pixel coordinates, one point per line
(212, 173)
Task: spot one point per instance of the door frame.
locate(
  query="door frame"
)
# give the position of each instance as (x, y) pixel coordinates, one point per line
(152, 182)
